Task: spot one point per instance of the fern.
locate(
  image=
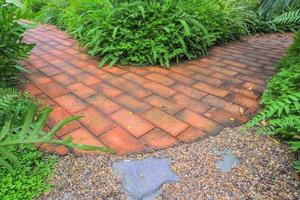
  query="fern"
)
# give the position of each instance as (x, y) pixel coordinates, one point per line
(288, 18)
(280, 115)
(31, 132)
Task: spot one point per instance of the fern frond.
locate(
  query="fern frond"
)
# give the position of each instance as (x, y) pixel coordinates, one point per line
(288, 18)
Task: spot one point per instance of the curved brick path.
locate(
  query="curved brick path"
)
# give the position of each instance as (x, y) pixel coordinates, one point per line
(142, 109)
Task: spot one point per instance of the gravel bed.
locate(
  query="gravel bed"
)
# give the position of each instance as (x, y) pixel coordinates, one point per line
(265, 171)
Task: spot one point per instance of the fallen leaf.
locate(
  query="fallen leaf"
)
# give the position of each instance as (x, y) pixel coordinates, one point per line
(242, 110)
(264, 123)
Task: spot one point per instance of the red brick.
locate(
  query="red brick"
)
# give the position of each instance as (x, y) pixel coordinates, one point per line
(83, 136)
(182, 70)
(197, 68)
(191, 134)
(211, 61)
(189, 91)
(39, 63)
(187, 102)
(32, 89)
(159, 70)
(240, 70)
(160, 89)
(237, 64)
(104, 104)
(64, 79)
(165, 121)
(73, 71)
(71, 103)
(199, 121)
(251, 79)
(246, 102)
(87, 79)
(248, 93)
(78, 63)
(107, 89)
(225, 118)
(163, 104)
(95, 121)
(252, 86)
(211, 89)
(182, 79)
(122, 142)
(127, 86)
(226, 78)
(132, 123)
(50, 70)
(57, 62)
(53, 89)
(131, 103)
(115, 70)
(58, 114)
(226, 70)
(81, 90)
(160, 79)
(46, 100)
(207, 79)
(158, 139)
(134, 78)
(140, 70)
(39, 78)
(222, 104)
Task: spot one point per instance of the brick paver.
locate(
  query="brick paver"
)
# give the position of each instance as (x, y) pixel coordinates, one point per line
(135, 110)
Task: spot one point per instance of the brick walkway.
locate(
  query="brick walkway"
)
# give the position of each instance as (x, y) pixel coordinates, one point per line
(135, 110)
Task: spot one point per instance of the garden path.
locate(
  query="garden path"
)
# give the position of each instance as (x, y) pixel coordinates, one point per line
(134, 110)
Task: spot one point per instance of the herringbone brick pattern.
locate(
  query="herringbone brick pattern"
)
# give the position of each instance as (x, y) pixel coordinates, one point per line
(135, 110)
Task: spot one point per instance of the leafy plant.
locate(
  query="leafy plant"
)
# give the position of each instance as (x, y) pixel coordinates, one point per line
(28, 179)
(269, 6)
(31, 132)
(12, 100)
(281, 101)
(12, 49)
(149, 32)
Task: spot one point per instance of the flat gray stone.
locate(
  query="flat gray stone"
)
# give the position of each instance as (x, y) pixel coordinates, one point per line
(142, 179)
(228, 160)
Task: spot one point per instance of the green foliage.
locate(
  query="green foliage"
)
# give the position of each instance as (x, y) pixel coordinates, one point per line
(30, 131)
(28, 179)
(267, 7)
(12, 49)
(149, 32)
(11, 100)
(281, 100)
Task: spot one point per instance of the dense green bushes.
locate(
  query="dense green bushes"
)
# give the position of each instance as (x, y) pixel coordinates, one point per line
(148, 32)
(12, 49)
(281, 100)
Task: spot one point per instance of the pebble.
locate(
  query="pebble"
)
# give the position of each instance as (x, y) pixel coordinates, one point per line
(265, 171)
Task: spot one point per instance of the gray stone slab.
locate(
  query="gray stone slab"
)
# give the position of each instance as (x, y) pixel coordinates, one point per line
(142, 179)
(228, 160)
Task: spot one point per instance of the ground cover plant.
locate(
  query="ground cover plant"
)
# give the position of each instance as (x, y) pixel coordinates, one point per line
(281, 101)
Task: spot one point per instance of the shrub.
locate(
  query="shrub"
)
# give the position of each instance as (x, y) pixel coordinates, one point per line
(281, 100)
(12, 49)
(148, 32)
